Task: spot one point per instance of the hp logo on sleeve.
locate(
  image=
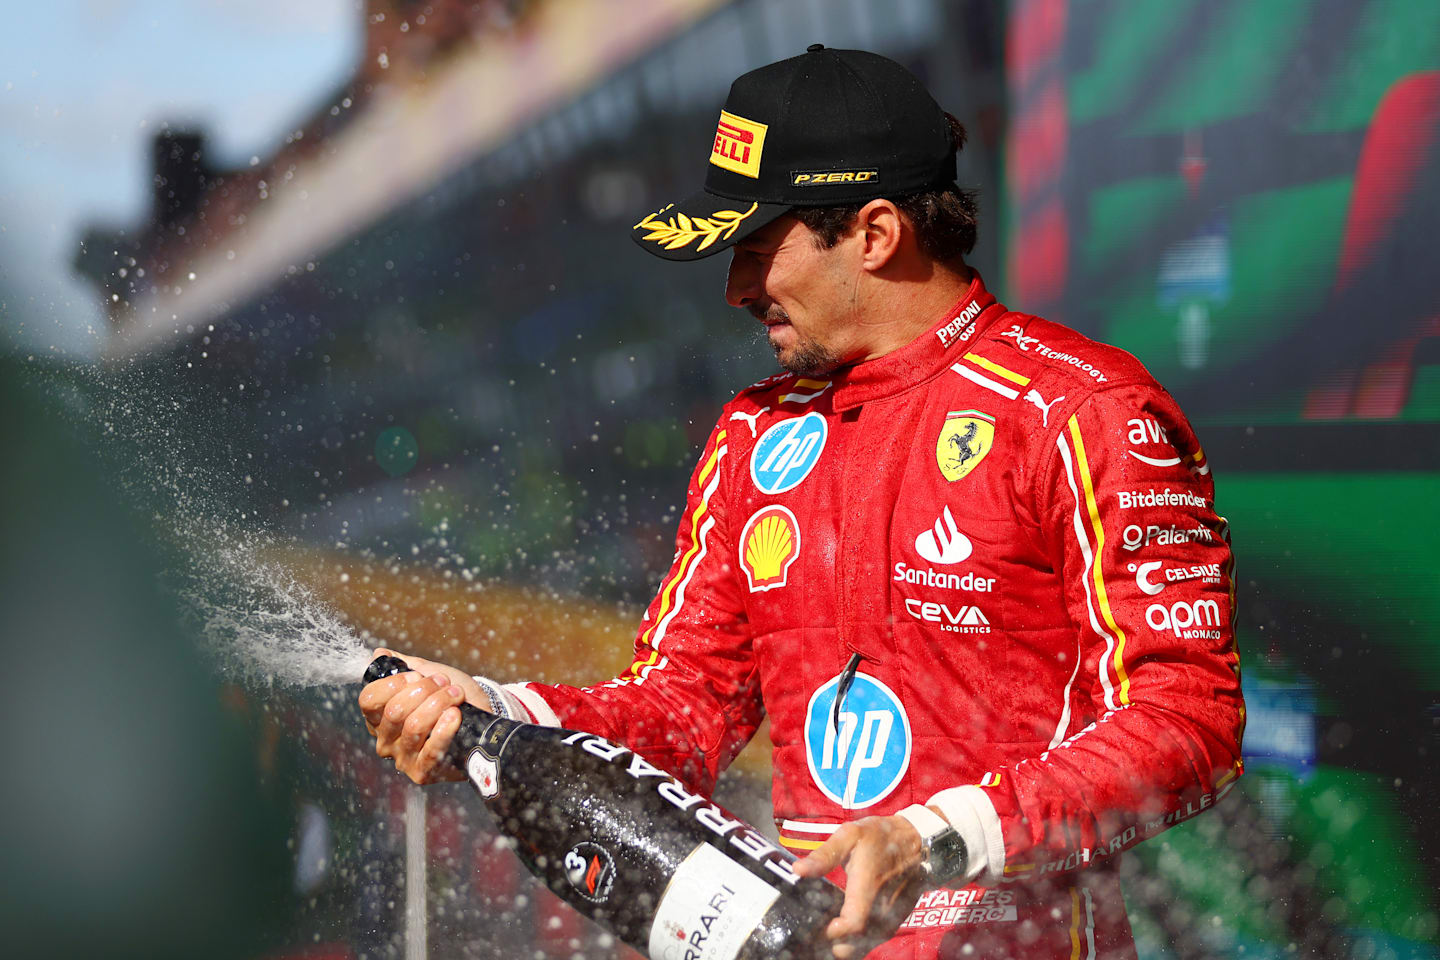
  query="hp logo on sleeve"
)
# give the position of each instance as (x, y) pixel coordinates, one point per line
(860, 762)
(787, 452)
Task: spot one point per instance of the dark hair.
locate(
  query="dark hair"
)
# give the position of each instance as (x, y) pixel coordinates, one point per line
(945, 218)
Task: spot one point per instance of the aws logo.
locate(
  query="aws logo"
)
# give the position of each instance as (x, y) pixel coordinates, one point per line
(858, 762)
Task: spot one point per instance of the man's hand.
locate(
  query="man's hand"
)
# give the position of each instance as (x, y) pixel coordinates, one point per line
(413, 716)
(884, 878)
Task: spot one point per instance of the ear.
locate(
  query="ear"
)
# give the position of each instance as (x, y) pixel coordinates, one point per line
(881, 226)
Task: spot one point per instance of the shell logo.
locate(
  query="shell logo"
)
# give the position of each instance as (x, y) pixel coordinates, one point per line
(769, 544)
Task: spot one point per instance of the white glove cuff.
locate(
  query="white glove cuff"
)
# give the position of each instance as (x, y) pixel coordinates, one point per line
(923, 819)
(973, 816)
(516, 701)
(532, 703)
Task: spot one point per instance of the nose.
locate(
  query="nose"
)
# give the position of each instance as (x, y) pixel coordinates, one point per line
(742, 282)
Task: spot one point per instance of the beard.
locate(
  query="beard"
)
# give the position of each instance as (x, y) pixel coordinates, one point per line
(806, 357)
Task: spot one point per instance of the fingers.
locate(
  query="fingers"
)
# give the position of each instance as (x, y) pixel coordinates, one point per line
(863, 877)
(374, 696)
(829, 854)
(431, 668)
(420, 723)
(414, 716)
(880, 856)
(399, 707)
(844, 847)
(411, 731)
(432, 754)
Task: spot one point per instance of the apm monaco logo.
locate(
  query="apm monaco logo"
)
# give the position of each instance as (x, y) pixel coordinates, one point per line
(1197, 620)
(769, 544)
(738, 145)
(787, 452)
(590, 870)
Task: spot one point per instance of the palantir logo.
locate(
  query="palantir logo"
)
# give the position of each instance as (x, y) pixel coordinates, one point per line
(860, 761)
(787, 452)
(943, 544)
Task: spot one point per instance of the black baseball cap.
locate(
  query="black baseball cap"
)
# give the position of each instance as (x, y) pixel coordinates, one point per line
(827, 127)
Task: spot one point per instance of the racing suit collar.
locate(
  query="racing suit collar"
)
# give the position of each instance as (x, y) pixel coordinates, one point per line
(922, 358)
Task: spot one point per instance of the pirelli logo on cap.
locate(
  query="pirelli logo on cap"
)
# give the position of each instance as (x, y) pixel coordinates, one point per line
(815, 178)
(738, 145)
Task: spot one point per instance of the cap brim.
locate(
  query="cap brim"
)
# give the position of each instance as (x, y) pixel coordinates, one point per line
(702, 224)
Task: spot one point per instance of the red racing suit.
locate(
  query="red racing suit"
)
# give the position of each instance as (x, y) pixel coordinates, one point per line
(1013, 527)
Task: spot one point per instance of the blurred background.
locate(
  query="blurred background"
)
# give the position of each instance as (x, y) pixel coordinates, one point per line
(327, 310)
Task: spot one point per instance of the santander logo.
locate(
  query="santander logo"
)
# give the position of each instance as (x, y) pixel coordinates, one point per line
(943, 544)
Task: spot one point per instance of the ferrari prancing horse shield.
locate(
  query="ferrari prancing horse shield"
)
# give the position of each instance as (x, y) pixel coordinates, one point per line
(964, 440)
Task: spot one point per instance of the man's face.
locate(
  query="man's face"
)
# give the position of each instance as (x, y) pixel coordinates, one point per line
(802, 293)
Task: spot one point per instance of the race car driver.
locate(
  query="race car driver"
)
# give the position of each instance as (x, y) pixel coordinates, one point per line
(967, 560)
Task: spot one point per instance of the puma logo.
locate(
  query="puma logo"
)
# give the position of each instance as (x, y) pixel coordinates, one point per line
(750, 418)
(1034, 397)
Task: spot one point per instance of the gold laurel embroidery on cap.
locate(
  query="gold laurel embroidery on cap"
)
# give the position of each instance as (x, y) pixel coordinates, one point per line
(680, 230)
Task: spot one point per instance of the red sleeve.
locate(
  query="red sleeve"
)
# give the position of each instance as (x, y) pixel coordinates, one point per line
(1127, 508)
(690, 700)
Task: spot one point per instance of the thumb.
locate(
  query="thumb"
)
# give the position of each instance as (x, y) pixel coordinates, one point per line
(826, 857)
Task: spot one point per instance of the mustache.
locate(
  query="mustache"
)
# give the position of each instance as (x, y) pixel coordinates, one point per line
(767, 314)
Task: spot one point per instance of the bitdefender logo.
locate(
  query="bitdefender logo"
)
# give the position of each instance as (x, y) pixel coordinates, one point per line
(943, 543)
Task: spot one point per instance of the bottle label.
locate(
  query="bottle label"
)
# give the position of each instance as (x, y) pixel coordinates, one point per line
(590, 870)
(709, 909)
(483, 773)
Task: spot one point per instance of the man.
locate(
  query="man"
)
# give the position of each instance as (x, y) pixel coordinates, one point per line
(966, 559)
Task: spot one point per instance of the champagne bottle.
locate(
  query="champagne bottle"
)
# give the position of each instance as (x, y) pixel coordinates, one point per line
(629, 846)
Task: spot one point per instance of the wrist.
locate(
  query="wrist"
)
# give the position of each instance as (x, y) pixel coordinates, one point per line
(942, 850)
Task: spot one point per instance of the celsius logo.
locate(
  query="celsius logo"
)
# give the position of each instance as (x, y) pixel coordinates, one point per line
(1142, 572)
(590, 870)
(1199, 620)
(1204, 572)
(943, 543)
(861, 762)
(787, 452)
